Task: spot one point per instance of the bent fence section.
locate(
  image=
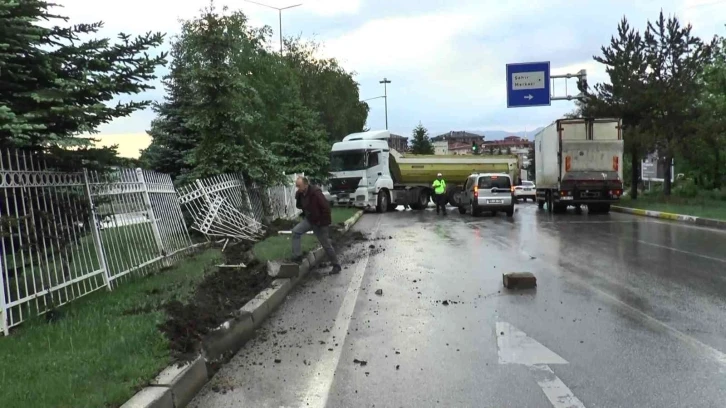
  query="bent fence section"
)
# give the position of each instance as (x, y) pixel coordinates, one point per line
(67, 234)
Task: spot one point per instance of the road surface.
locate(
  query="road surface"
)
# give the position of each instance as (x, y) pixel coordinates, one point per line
(629, 312)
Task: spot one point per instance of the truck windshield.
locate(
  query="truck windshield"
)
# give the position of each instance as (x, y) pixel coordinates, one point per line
(348, 160)
(489, 182)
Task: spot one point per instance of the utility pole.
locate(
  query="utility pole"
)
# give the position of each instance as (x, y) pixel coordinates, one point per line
(279, 13)
(385, 81)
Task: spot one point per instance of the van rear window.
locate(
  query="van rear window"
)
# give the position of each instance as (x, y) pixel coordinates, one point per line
(488, 182)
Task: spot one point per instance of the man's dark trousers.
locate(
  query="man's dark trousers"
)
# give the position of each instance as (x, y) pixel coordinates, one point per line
(440, 200)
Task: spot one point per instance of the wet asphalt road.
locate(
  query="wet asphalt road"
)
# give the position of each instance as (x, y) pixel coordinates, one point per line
(634, 307)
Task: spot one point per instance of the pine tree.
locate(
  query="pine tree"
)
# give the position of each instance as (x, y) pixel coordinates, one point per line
(677, 60)
(172, 140)
(305, 147)
(55, 86)
(421, 144)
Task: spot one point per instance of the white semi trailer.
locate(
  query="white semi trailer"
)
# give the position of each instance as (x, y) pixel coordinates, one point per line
(579, 161)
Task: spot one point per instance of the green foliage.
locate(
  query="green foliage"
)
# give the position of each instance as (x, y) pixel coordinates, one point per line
(55, 84)
(304, 147)
(421, 143)
(326, 88)
(658, 86)
(232, 105)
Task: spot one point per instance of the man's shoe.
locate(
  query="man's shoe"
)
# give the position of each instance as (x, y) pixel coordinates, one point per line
(336, 270)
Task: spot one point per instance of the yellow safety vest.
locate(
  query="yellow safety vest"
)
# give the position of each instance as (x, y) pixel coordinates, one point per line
(439, 186)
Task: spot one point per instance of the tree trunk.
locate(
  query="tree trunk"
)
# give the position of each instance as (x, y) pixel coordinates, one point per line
(717, 169)
(635, 173)
(667, 175)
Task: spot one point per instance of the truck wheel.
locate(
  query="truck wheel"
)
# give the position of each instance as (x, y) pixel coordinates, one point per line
(540, 204)
(560, 208)
(383, 202)
(423, 200)
(550, 203)
(462, 210)
(606, 208)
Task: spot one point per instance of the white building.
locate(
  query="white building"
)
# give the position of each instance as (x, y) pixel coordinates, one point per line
(441, 147)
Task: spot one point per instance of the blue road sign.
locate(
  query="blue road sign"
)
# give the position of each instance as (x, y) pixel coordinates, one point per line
(528, 84)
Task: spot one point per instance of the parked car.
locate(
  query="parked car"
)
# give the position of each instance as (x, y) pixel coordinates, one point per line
(488, 192)
(525, 191)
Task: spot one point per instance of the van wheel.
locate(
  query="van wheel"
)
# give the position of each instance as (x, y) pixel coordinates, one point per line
(473, 209)
(383, 201)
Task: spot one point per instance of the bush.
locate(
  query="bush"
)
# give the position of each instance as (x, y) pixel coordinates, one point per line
(686, 189)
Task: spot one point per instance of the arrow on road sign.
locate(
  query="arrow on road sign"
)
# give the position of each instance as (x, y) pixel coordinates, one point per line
(515, 347)
(528, 97)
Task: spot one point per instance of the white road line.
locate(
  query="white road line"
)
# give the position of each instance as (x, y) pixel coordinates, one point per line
(515, 347)
(677, 250)
(556, 391)
(319, 386)
(707, 350)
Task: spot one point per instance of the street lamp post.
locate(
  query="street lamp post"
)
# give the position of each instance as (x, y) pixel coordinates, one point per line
(279, 13)
(385, 81)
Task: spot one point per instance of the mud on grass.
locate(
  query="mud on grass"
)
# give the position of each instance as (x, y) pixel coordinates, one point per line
(216, 298)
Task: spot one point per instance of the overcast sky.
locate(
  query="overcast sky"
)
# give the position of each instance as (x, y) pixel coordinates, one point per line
(446, 58)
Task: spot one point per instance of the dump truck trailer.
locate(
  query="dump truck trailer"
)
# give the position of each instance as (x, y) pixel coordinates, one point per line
(579, 162)
(366, 173)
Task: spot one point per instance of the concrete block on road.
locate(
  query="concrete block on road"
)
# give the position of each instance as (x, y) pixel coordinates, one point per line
(519, 280)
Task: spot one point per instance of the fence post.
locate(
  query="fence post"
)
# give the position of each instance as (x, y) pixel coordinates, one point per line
(4, 325)
(152, 216)
(95, 231)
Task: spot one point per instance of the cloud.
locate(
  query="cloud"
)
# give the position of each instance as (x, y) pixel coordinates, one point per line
(129, 144)
(446, 60)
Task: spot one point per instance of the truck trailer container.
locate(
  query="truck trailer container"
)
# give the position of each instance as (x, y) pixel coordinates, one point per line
(366, 173)
(579, 162)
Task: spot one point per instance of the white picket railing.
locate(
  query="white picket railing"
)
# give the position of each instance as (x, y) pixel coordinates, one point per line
(224, 206)
(66, 234)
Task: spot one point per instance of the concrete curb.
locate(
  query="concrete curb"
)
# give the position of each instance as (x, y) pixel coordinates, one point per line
(176, 386)
(706, 222)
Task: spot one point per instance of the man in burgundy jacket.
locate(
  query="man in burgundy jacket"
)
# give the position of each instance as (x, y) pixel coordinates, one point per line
(316, 217)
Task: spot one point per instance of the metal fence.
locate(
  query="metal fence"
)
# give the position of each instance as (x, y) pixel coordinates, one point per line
(65, 235)
(225, 206)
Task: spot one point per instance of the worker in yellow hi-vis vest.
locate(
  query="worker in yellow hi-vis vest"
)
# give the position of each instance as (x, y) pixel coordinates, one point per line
(439, 186)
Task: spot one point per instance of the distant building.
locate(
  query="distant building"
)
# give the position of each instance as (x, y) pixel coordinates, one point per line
(398, 142)
(460, 148)
(441, 147)
(459, 136)
(459, 141)
(515, 143)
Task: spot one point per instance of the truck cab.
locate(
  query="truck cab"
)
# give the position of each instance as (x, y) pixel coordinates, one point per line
(360, 175)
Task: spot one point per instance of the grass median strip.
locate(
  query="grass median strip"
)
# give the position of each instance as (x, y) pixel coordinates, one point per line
(280, 246)
(102, 348)
(697, 207)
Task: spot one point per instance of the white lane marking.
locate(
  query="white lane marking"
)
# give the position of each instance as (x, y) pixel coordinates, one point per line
(556, 391)
(707, 350)
(676, 250)
(515, 347)
(323, 375)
